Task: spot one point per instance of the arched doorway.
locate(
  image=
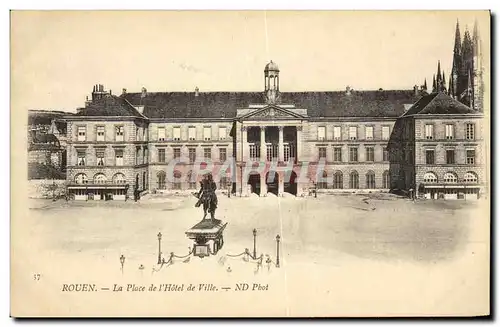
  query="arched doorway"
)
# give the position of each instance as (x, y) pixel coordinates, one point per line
(272, 182)
(290, 186)
(254, 182)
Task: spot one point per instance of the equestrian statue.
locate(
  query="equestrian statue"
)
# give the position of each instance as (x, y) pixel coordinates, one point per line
(207, 196)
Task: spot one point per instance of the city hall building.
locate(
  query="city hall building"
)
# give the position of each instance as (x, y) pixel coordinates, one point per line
(271, 141)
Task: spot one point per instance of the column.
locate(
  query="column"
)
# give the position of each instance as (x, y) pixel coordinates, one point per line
(244, 143)
(263, 146)
(281, 150)
(299, 144)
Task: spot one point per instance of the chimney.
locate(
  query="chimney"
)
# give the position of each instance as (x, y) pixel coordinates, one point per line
(196, 91)
(110, 92)
(415, 90)
(143, 92)
(348, 90)
(124, 91)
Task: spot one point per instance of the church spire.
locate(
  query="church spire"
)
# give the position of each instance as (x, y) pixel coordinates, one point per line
(456, 49)
(451, 88)
(443, 82)
(434, 88)
(438, 80)
(425, 84)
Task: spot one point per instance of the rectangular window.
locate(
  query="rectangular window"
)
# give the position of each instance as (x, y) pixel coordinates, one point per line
(337, 154)
(385, 132)
(369, 132)
(337, 133)
(138, 156)
(207, 153)
(177, 153)
(222, 154)
(177, 133)
(119, 131)
(450, 157)
(192, 155)
(192, 133)
(353, 133)
(161, 133)
(370, 154)
(254, 151)
(161, 155)
(321, 132)
(471, 157)
(353, 154)
(286, 153)
(385, 154)
(322, 152)
(81, 158)
(429, 132)
(450, 132)
(222, 133)
(207, 133)
(470, 131)
(144, 134)
(119, 157)
(81, 133)
(100, 157)
(429, 157)
(100, 133)
(137, 134)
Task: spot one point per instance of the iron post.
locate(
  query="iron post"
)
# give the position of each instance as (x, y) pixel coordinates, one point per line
(254, 243)
(159, 248)
(277, 251)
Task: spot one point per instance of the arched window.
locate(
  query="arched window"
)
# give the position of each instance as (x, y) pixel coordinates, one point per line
(119, 178)
(322, 181)
(338, 180)
(470, 177)
(81, 178)
(386, 179)
(450, 178)
(354, 180)
(161, 180)
(176, 185)
(430, 177)
(100, 178)
(370, 180)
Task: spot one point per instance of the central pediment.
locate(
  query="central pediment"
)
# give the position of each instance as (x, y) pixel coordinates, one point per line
(272, 112)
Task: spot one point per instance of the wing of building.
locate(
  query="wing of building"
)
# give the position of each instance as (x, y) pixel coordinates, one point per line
(252, 142)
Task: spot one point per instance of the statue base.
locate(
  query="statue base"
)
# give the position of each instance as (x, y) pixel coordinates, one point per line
(207, 236)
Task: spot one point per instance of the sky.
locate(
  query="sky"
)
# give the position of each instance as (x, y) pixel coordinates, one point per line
(57, 56)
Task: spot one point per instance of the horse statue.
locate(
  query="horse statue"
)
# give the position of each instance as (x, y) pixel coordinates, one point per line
(207, 197)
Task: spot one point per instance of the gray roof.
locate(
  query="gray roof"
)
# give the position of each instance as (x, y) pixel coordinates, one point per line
(380, 103)
(438, 104)
(110, 105)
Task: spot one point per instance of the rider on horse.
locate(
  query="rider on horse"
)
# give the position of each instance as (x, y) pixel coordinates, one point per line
(208, 188)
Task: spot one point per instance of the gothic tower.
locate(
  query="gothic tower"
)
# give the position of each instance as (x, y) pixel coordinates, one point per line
(477, 72)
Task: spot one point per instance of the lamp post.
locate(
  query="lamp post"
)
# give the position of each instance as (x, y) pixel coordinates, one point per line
(277, 251)
(159, 248)
(254, 247)
(122, 261)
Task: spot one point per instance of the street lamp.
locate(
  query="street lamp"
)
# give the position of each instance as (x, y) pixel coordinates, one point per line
(122, 261)
(159, 248)
(254, 239)
(277, 251)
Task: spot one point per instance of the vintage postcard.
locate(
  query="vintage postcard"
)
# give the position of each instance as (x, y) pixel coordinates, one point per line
(250, 163)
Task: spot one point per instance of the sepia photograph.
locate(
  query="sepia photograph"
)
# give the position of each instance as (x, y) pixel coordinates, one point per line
(250, 163)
